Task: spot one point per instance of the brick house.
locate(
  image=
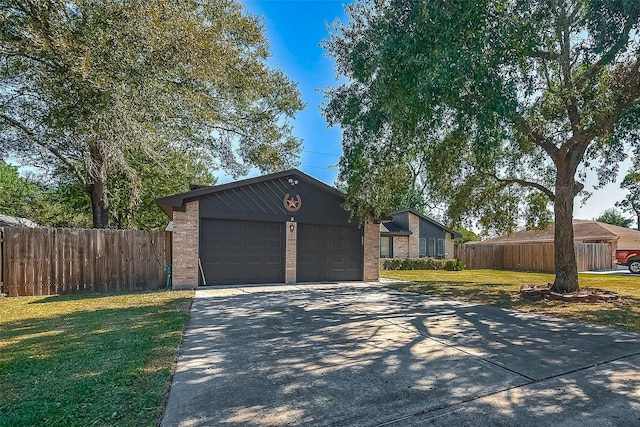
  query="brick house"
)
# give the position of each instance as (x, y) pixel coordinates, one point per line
(285, 227)
(410, 234)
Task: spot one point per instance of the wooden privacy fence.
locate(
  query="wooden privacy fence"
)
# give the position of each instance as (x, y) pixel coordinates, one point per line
(47, 261)
(1, 261)
(533, 256)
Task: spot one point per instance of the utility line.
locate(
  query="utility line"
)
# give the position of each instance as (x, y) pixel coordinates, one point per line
(322, 154)
(320, 167)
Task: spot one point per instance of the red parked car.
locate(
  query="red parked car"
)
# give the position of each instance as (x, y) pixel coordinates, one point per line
(630, 258)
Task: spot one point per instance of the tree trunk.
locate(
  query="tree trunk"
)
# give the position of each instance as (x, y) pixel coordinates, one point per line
(99, 205)
(566, 268)
(98, 190)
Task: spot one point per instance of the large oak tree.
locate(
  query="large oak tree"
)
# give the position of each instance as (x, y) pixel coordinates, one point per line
(92, 89)
(506, 102)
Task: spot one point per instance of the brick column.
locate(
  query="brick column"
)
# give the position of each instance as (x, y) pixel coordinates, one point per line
(185, 242)
(371, 251)
(414, 238)
(449, 251)
(290, 252)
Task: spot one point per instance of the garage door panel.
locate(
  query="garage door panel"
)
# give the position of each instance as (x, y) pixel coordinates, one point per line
(255, 245)
(328, 253)
(274, 260)
(254, 259)
(232, 226)
(254, 227)
(339, 244)
(274, 244)
(273, 228)
(302, 244)
(303, 259)
(233, 243)
(241, 252)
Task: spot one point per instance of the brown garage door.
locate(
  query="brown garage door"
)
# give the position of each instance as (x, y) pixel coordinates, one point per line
(241, 252)
(328, 253)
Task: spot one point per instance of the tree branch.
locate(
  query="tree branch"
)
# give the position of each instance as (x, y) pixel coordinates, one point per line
(548, 56)
(629, 98)
(525, 183)
(534, 136)
(72, 168)
(563, 33)
(606, 57)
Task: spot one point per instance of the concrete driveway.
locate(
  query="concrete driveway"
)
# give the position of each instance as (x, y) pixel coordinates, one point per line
(360, 355)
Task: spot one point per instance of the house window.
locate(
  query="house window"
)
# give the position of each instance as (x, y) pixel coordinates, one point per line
(423, 247)
(440, 247)
(385, 247)
(431, 248)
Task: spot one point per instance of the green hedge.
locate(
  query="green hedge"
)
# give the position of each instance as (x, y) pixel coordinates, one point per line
(421, 264)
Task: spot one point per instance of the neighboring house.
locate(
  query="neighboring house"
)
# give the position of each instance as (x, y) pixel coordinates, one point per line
(14, 221)
(285, 227)
(410, 234)
(584, 231)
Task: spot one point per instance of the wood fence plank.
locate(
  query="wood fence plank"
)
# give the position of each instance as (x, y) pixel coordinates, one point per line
(44, 263)
(21, 269)
(61, 261)
(2, 285)
(10, 285)
(53, 256)
(532, 257)
(36, 264)
(8, 256)
(118, 277)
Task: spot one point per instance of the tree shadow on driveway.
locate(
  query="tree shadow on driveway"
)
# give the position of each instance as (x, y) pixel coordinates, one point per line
(372, 356)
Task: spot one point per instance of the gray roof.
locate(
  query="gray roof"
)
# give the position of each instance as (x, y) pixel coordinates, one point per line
(393, 229)
(583, 230)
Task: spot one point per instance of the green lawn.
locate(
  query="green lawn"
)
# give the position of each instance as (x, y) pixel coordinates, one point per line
(501, 288)
(88, 360)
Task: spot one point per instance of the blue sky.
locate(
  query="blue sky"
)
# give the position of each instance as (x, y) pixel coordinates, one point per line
(295, 29)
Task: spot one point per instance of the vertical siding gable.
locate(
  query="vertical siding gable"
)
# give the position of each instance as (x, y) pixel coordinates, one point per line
(264, 201)
(402, 219)
(431, 230)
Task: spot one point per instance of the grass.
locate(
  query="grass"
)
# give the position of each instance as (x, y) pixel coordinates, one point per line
(88, 360)
(501, 288)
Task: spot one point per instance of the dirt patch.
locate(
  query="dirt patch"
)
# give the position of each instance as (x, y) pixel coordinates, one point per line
(589, 295)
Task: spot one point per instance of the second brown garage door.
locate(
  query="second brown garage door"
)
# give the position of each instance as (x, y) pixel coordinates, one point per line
(328, 253)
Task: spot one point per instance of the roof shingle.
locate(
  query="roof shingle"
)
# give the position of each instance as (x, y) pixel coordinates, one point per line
(583, 230)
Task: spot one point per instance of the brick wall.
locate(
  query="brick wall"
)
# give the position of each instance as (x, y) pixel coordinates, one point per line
(186, 231)
(448, 247)
(401, 246)
(371, 251)
(414, 238)
(290, 252)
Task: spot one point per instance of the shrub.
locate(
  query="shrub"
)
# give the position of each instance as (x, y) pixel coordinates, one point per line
(421, 264)
(454, 265)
